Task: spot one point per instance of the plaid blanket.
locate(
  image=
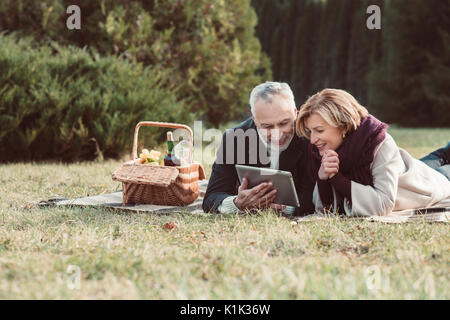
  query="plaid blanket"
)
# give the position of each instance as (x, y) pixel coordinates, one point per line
(412, 215)
(114, 201)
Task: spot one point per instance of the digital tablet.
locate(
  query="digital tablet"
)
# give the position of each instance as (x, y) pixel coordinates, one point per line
(281, 180)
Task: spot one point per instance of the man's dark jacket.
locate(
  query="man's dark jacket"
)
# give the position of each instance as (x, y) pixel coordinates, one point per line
(224, 181)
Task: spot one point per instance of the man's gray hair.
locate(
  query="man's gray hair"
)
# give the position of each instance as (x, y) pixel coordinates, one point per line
(266, 91)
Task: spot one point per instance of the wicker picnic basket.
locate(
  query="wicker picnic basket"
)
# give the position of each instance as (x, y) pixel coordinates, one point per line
(149, 184)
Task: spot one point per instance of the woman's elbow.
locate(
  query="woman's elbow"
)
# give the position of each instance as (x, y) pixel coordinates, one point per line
(386, 207)
(381, 205)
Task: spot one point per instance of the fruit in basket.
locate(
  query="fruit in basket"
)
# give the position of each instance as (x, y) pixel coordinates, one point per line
(139, 161)
(145, 152)
(155, 155)
(150, 157)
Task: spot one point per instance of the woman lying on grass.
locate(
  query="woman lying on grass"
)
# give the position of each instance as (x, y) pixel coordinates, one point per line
(358, 168)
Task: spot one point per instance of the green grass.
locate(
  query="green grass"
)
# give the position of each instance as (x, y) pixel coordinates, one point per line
(130, 255)
(420, 142)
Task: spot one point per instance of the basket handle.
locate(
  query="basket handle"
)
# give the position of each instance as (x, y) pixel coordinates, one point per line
(160, 124)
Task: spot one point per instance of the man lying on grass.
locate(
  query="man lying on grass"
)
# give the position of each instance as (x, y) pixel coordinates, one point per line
(267, 139)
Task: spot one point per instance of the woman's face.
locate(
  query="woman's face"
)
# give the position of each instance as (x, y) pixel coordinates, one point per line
(323, 135)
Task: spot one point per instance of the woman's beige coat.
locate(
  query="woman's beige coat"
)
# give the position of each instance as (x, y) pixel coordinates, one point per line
(400, 182)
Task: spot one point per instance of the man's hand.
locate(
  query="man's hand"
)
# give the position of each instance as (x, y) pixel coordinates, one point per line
(330, 165)
(255, 197)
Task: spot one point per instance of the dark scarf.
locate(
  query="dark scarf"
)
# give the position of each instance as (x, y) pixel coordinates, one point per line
(356, 152)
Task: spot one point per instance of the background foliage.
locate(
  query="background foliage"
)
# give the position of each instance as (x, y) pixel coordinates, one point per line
(401, 72)
(76, 94)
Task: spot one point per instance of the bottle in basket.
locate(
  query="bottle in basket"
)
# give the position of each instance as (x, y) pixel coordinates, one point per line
(170, 159)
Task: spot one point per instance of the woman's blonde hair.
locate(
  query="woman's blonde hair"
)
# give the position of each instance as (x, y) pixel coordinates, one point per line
(337, 107)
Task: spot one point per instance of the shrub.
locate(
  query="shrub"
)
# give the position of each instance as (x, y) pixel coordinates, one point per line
(69, 104)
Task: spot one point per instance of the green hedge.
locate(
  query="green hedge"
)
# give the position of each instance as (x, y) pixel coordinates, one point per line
(63, 103)
(210, 46)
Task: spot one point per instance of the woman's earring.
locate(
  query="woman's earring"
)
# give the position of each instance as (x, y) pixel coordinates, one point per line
(343, 135)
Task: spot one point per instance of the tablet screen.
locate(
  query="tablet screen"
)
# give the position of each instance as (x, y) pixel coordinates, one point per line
(281, 180)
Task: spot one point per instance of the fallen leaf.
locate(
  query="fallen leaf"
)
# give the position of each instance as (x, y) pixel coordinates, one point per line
(363, 249)
(349, 251)
(170, 226)
(324, 243)
(435, 256)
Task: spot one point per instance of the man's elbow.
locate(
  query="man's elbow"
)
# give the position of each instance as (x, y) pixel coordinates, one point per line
(206, 205)
(209, 204)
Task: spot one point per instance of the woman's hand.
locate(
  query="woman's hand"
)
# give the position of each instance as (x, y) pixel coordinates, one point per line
(330, 165)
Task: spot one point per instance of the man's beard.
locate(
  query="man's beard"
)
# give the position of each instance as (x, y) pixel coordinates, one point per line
(276, 147)
(282, 147)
